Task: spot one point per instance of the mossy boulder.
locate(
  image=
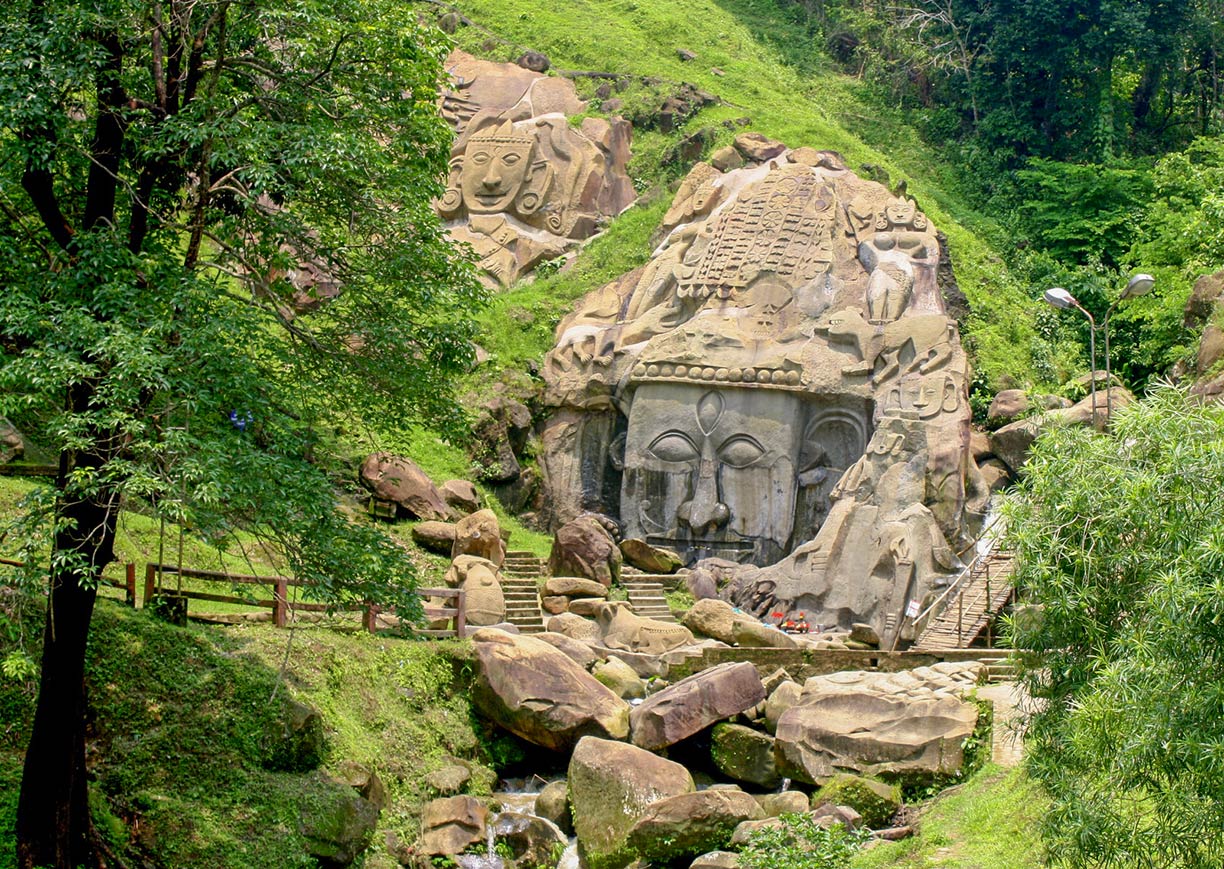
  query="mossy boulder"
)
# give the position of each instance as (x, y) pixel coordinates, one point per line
(611, 785)
(337, 822)
(745, 754)
(688, 825)
(876, 801)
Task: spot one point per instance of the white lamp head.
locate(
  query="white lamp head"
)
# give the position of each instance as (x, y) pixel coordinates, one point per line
(1139, 285)
(1057, 297)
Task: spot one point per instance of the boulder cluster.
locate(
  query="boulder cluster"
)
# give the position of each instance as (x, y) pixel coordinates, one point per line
(838, 747)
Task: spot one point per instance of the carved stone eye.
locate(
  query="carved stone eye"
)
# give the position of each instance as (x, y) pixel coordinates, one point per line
(740, 451)
(674, 447)
(480, 157)
(511, 158)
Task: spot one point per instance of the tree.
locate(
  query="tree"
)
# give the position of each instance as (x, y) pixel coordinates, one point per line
(177, 180)
(1120, 553)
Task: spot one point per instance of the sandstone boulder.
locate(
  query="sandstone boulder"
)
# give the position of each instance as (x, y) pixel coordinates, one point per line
(573, 586)
(694, 703)
(620, 678)
(716, 860)
(480, 534)
(745, 755)
(12, 445)
(436, 537)
(461, 495)
(649, 559)
(687, 825)
(398, 479)
(337, 823)
(452, 824)
(781, 699)
(584, 606)
(498, 435)
(538, 693)
(783, 803)
(584, 547)
(911, 724)
(711, 618)
(1007, 405)
(553, 803)
(575, 627)
(580, 653)
(757, 148)
(554, 604)
(529, 839)
(874, 800)
(611, 785)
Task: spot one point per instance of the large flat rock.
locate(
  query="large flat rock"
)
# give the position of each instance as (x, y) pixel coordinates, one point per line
(538, 692)
(693, 704)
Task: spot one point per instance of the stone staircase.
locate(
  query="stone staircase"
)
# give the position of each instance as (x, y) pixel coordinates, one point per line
(520, 574)
(969, 610)
(647, 596)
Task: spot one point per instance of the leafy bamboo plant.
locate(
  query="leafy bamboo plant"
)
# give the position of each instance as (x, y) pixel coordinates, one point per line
(180, 181)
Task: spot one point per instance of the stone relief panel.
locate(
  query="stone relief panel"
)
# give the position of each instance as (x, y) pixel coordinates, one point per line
(524, 185)
(779, 386)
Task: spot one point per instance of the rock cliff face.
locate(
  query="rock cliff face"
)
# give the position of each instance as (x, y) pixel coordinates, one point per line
(780, 386)
(524, 185)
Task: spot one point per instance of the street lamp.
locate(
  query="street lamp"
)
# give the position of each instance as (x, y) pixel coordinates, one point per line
(1139, 285)
(1057, 297)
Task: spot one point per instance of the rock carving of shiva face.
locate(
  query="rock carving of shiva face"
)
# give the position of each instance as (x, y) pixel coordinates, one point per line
(496, 167)
(711, 473)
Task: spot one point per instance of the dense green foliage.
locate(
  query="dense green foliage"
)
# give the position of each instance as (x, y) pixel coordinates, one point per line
(168, 307)
(799, 842)
(1075, 122)
(1120, 547)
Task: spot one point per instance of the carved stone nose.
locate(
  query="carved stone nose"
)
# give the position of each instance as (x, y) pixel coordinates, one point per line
(704, 513)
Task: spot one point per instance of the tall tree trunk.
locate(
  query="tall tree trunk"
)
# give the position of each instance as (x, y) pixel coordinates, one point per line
(54, 828)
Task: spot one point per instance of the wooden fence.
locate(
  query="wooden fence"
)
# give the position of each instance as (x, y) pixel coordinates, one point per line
(128, 585)
(279, 603)
(281, 606)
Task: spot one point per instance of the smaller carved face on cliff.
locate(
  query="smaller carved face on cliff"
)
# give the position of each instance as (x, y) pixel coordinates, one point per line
(496, 167)
(712, 472)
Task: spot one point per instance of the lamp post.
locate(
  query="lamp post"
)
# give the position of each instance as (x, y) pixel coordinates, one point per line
(1057, 297)
(1139, 285)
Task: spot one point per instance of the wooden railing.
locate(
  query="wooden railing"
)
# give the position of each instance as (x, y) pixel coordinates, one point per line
(281, 606)
(128, 585)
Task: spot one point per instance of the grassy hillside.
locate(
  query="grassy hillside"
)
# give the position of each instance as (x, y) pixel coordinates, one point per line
(764, 67)
(187, 739)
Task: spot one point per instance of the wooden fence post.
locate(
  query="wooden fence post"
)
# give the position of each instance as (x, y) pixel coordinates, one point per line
(460, 615)
(150, 582)
(280, 600)
(129, 589)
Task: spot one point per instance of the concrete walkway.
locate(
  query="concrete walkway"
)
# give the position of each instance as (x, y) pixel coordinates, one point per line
(1007, 746)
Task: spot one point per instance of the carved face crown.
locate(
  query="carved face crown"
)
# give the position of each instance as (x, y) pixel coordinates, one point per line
(496, 167)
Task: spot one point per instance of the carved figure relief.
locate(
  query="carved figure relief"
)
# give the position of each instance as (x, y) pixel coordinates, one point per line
(791, 392)
(524, 185)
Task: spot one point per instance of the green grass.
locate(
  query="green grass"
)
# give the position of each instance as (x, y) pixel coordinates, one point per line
(989, 822)
(186, 723)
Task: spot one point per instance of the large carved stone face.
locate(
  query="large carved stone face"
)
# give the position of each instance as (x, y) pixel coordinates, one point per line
(712, 472)
(495, 168)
